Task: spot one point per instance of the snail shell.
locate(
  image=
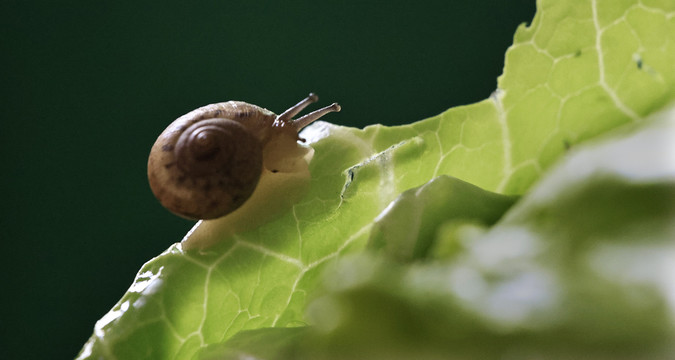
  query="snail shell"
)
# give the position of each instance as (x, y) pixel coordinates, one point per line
(208, 162)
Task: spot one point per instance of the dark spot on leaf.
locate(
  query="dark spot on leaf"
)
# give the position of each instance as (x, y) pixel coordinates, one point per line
(578, 53)
(274, 171)
(567, 144)
(350, 179)
(639, 64)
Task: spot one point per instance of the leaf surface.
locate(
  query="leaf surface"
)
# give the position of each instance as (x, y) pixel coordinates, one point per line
(581, 267)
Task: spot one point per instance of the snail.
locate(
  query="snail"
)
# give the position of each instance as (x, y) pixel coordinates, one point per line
(207, 163)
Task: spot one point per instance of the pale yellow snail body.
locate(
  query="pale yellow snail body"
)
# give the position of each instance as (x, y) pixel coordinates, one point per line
(208, 162)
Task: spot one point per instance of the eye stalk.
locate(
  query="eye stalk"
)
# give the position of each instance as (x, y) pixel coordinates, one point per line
(287, 116)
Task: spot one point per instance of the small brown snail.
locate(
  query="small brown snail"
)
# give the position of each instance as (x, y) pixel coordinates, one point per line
(208, 162)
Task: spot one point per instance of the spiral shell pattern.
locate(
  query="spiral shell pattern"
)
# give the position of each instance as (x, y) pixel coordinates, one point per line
(204, 168)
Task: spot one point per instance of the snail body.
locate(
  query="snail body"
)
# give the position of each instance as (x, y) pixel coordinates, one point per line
(207, 163)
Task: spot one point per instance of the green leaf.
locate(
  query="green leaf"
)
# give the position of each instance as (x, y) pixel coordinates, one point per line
(405, 229)
(582, 267)
(580, 69)
(265, 343)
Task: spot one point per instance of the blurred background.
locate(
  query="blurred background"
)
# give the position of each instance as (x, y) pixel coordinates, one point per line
(88, 86)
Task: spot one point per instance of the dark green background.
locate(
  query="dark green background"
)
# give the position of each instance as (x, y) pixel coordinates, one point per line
(88, 86)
